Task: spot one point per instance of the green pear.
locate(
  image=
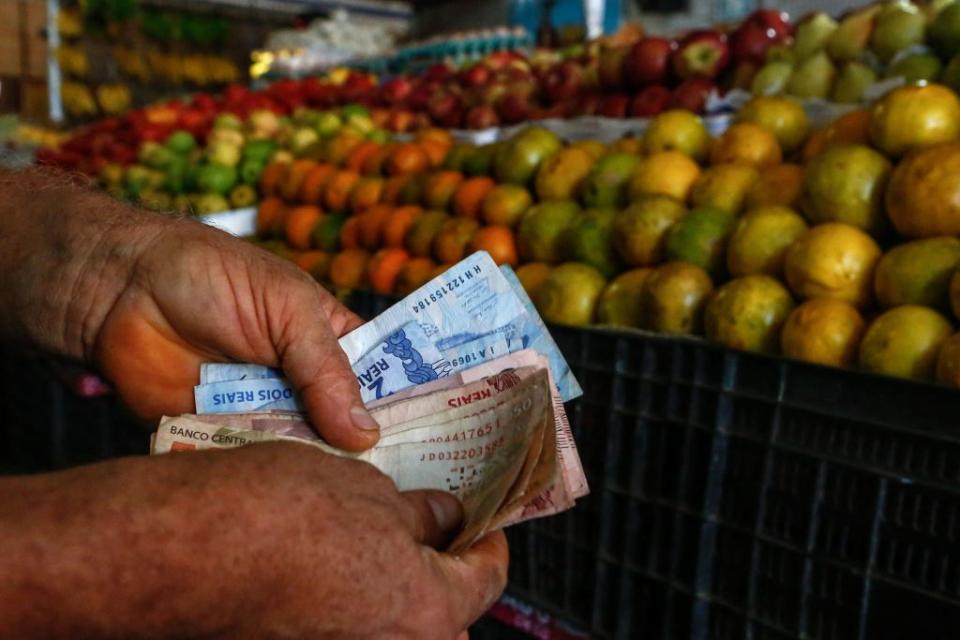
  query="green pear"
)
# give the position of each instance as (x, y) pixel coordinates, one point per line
(780, 53)
(852, 82)
(916, 68)
(898, 26)
(812, 34)
(813, 78)
(944, 32)
(851, 38)
(772, 79)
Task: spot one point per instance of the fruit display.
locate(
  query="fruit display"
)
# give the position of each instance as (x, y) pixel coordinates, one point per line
(836, 247)
(841, 59)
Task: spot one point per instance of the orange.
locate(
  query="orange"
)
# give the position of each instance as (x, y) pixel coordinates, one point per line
(439, 188)
(747, 143)
(407, 158)
(784, 117)
(299, 225)
(415, 273)
(435, 134)
(948, 362)
(412, 190)
(816, 143)
(470, 194)
(316, 263)
(678, 130)
(823, 331)
(723, 186)
(923, 195)
(505, 204)
(384, 269)
(570, 294)
(669, 173)
(348, 268)
(620, 303)
(781, 185)
(627, 145)
(499, 242)
(904, 342)
(760, 240)
(337, 192)
(747, 313)
(392, 188)
(436, 151)
(423, 230)
(359, 154)
(396, 226)
(339, 147)
(315, 181)
(450, 244)
(272, 177)
(532, 276)
(371, 225)
(851, 128)
(366, 193)
(292, 181)
(374, 164)
(674, 297)
(833, 260)
(271, 210)
(350, 233)
(914, 116)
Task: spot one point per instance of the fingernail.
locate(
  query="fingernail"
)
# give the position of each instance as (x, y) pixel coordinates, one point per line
(446, 509)
(363, 420)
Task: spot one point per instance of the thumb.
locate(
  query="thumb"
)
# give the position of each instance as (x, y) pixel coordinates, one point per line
(317, 367)
(434, 516)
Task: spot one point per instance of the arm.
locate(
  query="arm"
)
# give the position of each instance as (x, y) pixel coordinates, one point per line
(267, 541)
(148, 298)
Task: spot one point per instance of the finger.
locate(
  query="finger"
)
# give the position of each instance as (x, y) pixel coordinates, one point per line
(342, 320)
(477, 578)
(434, 516)
(464, 636)
(316, 365)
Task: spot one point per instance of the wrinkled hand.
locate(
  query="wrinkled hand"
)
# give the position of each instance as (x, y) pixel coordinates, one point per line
(271, 541)
(196, 295)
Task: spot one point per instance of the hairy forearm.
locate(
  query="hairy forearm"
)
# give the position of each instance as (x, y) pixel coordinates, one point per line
(65, 253)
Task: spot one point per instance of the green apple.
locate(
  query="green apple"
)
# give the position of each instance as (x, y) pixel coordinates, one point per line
(772, 79)
(850, 40)
(852, 82)
(812, 35)
(813, 78)
(899, 26)
(915, 68)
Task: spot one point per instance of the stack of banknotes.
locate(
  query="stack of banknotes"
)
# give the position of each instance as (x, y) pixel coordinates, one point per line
(465, 382)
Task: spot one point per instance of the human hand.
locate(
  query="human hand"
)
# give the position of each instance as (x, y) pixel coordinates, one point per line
(268, 541)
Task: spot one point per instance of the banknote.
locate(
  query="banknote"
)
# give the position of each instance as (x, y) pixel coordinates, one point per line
(485, 457)
(229, 371)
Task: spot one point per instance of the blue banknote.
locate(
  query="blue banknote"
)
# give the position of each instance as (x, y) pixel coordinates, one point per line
(246, 396)
(228, 371)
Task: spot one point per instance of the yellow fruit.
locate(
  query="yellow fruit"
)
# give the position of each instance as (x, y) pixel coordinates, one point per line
(904, 342)
(747, 313)
(948, 361)
(723, 186)
(669, 173)
(914, 116)
(823, 331)
(561, 175)
(569, 294)
(673, 298)
(532, 276)
(782, 116)
(846, 184)
(780, 185)
(833, 260)
(678, 130)
(917, 272)
(747, 143)
(923, 197)
(640, 230)
(620, 302)
(760, 241)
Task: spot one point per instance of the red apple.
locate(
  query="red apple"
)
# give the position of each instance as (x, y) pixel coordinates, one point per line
(482, 117)
(586, 104)
(610, 66)
(514, 108)
(650, 101)
(438, 72)
(476, 76)
(396, 90)
(614, 106)
(771, 19)
(562, 82)
(691, 94)
(701, 53)
(446, 109)
(648, 62)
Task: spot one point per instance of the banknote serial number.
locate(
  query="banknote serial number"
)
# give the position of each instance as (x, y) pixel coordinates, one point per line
(446, 289)
(469, 453)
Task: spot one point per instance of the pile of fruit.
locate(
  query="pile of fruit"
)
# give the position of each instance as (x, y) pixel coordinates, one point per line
(843, 255)
(839, 61)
